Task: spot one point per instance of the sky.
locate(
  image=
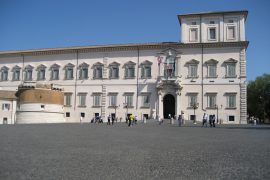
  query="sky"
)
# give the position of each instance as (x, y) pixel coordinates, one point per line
(34, 24)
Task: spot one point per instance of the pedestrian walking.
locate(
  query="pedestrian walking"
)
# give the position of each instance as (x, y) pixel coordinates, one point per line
(179, 120)
(214, 120)
(109, 120)
(205, 117)
(113, 119)
(210, 120)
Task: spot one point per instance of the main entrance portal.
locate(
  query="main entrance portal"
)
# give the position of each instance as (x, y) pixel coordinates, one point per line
(168, 106)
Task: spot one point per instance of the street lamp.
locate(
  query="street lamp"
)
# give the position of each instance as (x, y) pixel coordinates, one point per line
(195, 106)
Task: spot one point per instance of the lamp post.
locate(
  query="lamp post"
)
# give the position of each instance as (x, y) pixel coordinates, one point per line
(195, 106)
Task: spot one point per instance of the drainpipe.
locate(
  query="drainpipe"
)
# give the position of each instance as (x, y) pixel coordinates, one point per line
(137, 84)
(201, 59)
(76, 76)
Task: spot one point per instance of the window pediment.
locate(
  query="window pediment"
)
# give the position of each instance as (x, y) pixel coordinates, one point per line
(84, 65)
(114, 64)
(97, 64)
(192, 61)
(29, 67)
(16, 68)
(129, 63)
(211, 61)
(41, 66)
(146, 62)
(55, 66)
(4, 68)
(69, 65)
(231, 60)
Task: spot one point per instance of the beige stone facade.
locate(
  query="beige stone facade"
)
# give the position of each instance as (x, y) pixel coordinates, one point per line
(206, 72)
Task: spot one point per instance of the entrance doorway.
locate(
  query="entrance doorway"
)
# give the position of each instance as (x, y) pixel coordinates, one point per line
(168, 106)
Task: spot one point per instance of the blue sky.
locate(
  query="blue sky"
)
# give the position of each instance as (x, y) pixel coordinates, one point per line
(32, 24)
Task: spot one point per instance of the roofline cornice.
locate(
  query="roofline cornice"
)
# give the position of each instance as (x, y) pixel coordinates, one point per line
(121, 47)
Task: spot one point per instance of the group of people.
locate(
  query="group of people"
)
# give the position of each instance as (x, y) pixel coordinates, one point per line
(111, 119)
(97, 119)
(131, 120)
(211, 119)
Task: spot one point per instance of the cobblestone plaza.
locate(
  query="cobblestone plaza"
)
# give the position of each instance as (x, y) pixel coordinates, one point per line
(145, 151)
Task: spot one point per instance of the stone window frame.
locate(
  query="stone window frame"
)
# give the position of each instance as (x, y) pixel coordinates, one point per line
(68, 67)
(53, 68)
(94, 95)
(228, 95)
(65, 102)
(211, 95)
(28, 69)
(126, 99)
(190, 63)
(39, 69)
(82, 104)
(211, 62)
(113, 94)
(15, 70)
(143, 65)
(192, 94)
(127, 66)
(95, 67)
(196, 34)
(115, 65)
(143, 95)
(83, 67)
(4, 70)
(230, 62)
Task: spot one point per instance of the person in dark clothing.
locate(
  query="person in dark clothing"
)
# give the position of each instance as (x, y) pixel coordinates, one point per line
(210, 120)
(109, 120)
(113, 118)
(213, 120)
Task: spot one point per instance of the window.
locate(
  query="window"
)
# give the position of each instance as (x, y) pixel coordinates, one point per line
(212, 33)
(41, 69)
(113, 100)
(231, 100)
(5, 107)
(231, 68)
(69, 71)
(114, 70)
(82, 114)
(5, 120)
(212, 22)
(192, 68)
(230, 21)
(82, 99)
(146, 69)
(83, 71)
(193, 36)
(42, 107)
(67, 99)
(211, 100)
(55, 72)
(67, 114)
(98, 70)
(192, 100)
(4, 73)
(231, 118)
(129, 99)
(16, 73)
(231, 32)
(130, 70)
(146, 100)
(28, 73)
(193, 23)
(192, 71)
(96, 99)
(211, 68)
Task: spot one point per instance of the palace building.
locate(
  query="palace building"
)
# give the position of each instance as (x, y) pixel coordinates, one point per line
(205, 72)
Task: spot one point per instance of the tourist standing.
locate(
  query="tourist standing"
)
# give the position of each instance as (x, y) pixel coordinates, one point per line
(179, 120)
(109, 120)
(205, 117)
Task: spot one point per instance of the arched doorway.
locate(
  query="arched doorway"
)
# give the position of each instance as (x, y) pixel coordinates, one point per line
(168, 105)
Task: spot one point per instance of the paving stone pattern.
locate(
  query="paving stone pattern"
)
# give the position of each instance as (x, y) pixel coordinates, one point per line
(145, 151)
